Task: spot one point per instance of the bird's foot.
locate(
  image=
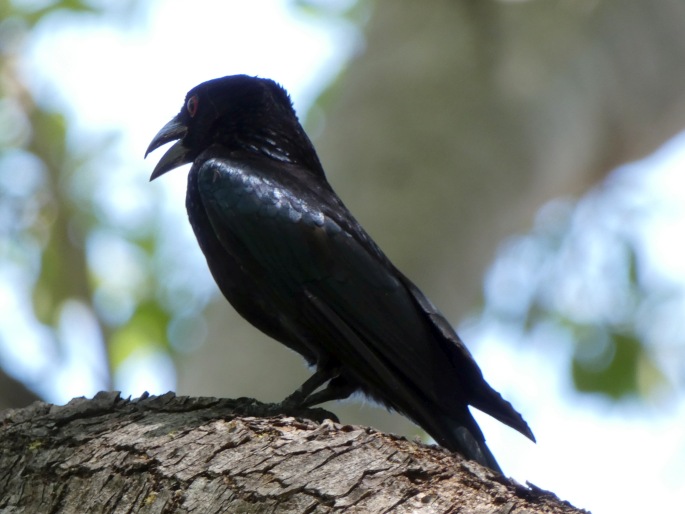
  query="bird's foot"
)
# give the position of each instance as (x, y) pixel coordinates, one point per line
(252, 407)
(294, 400)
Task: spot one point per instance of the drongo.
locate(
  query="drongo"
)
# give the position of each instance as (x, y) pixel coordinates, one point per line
(293, 261)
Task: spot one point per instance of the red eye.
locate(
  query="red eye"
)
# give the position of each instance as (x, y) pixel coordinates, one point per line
(192, 105)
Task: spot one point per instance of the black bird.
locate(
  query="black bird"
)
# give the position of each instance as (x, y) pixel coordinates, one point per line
(293, 261)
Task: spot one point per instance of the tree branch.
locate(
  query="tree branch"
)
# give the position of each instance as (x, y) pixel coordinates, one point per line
(169, 454)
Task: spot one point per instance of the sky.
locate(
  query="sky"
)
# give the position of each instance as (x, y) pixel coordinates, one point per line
(134, 78)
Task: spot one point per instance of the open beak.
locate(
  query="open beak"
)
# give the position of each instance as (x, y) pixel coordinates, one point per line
(175, 156)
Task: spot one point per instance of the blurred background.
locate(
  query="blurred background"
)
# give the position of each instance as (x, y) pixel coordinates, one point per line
(519, 160)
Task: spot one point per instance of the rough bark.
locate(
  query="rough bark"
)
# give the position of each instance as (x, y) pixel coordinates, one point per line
(169, 454)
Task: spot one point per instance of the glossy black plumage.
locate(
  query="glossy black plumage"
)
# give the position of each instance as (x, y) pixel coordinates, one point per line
(294, 262)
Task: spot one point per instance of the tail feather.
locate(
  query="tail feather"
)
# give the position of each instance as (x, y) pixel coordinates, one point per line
(489, 401)
(475, 449)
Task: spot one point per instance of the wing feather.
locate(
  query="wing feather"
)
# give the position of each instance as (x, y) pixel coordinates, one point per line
(319, 261)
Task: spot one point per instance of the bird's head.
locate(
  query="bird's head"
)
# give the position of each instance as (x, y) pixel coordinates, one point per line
(240, 113)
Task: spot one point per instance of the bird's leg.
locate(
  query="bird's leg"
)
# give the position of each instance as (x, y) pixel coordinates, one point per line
(322, 375)
(338, 389)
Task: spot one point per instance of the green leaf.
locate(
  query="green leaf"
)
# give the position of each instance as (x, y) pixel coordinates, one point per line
(613, 371)
(146, 329)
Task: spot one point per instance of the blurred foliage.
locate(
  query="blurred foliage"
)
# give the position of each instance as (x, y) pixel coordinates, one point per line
(53, 226)
(613, 370)
(31, 13)
(354, 11)
(41, 243)
(581, 270)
